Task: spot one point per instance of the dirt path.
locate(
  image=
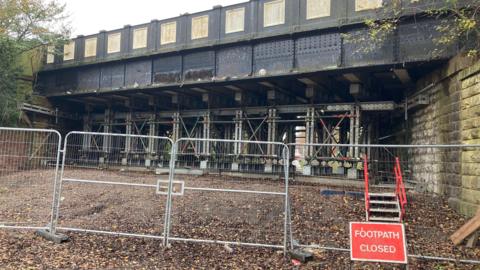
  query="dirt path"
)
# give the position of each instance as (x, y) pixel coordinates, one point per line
(316, 219)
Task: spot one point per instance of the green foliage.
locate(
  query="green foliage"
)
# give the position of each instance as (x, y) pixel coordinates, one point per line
(458, 24)
(26, 28)
(8, 83)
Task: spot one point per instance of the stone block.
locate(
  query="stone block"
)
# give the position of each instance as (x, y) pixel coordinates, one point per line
(453, 191)
(471, 82)
(470, 169)
(471, 182)
(464, 208)
(471, 195)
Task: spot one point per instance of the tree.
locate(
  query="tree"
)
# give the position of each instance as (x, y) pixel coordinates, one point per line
(459, 24)
(25, 26)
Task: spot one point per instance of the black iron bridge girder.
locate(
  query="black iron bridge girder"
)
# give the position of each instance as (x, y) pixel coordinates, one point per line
(307, 52)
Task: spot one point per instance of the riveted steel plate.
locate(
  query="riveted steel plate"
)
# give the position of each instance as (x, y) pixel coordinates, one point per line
(199, 66)
(167, 70)
(360, 50)
(234, 62)
(274, 57)
(318, 52)
(89, 78)
(138, 73)
(113, 76)
(419, 41)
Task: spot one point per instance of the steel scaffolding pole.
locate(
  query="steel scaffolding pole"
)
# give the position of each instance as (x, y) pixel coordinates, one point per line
(176, 126)
(238, 132)
(310, 132)
(206, 134)
(87, 126)
(107, 128)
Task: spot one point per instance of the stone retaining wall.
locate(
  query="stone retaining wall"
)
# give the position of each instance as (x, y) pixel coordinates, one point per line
(453, 117)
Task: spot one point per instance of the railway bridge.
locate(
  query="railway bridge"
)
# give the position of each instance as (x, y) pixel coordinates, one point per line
(293, 71)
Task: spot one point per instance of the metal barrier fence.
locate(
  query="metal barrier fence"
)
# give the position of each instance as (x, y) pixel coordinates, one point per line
(126, 185)
(321, 212)
(107, 185)
(29, 161)
(221, 208)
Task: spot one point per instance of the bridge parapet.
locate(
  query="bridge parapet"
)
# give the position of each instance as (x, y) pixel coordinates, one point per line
(247, 40)
(248, 21)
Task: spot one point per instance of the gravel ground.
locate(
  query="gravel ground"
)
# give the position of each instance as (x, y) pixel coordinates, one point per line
(316, 219)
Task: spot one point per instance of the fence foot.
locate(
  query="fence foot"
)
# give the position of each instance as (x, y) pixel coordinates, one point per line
(301, 255)
(56, 238)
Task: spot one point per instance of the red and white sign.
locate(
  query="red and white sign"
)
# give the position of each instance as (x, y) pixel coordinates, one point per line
(378, 242)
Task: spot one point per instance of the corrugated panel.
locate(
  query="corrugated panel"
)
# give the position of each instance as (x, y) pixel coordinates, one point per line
(199, 66)
(113, 76)
(417, 42)
(273, 57)
(167, 70)
(318, 52)
(89, 78)
(359, 50)
(138, 73)
(234, 62)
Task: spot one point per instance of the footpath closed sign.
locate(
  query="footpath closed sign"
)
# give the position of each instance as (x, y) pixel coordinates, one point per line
(378, 242)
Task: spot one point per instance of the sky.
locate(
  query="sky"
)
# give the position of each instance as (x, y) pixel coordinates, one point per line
(90, 16)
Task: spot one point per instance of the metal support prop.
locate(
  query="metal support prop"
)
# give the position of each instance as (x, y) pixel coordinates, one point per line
(152, 132)
(356, 135)
(206, 134)
(309, 132)
(87, 140)
(272, 137)
(152, 143)
(107, 128)
(272, 130)
(128, 132)
(351, 138)
(176, 126)
(238, 132)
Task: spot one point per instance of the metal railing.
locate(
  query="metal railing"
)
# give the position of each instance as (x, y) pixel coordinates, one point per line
(428, 171)
(130, 185)
(107, 186)
(400, 187)
(230, 210)
(29, 162)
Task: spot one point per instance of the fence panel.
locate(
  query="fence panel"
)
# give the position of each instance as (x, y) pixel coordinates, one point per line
(413, 184)
(108, 185)
(29, 160)
(223, 208)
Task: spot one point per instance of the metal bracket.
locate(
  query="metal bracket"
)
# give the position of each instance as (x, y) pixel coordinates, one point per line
(177, 186)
